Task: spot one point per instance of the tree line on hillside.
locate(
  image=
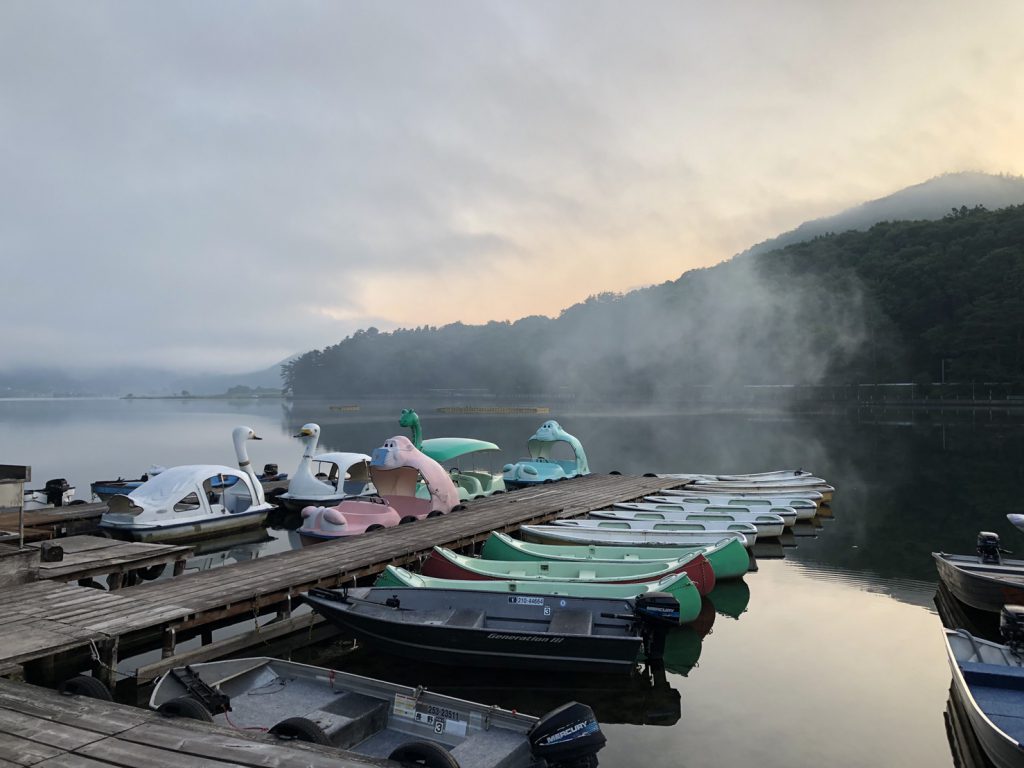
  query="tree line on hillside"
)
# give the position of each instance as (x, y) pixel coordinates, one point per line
(902, 301)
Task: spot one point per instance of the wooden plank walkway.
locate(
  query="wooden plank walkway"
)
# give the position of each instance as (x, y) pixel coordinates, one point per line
(86, 556)
(52, 522)
(41, 728)
(46, 618)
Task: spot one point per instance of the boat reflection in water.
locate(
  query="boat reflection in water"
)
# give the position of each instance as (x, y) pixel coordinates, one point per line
(767, 549)
(683, 644)
(237, 548)
(963, 743)
(642, 698)
(956, 614)
(730, 598)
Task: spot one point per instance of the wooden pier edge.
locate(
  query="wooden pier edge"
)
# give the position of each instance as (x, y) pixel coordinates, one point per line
(53, 627)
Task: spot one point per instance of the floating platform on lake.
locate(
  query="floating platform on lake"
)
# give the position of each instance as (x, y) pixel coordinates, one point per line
(51, 522)
(344, 408)
(88, 556)
(492, 410)
(53, 628)
(41, 727)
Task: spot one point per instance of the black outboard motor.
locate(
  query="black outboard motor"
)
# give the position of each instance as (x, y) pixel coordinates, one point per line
(567, 737)
(654, 612)
(269, 472)
(1011, 628)
(988, 547)
(55, 490)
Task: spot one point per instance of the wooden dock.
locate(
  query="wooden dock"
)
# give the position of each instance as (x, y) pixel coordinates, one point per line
(88, 556)
(45, 620)
(52, 522)
(41, 728)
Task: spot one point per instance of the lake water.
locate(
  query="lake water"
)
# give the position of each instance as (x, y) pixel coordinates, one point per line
(837, 655)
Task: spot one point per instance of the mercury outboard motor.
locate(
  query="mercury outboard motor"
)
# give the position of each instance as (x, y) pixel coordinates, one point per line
(567, 737)
(1011, 628)
(55, 490)
(988, 547)
(654, 612)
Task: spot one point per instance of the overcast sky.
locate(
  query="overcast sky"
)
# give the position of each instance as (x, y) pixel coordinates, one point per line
(217, 185)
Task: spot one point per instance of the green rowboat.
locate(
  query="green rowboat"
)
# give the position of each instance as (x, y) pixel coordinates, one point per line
(677, 585)
(728, 558)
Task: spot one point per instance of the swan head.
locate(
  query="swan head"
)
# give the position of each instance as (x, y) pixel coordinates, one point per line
(241, 434)
(309, 430)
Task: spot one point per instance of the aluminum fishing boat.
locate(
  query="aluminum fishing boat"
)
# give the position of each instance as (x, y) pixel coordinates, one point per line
(496, 629)
(374, 718)
(989, 680)
(986, 581)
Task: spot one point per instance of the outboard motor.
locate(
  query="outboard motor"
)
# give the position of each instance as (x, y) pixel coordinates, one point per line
(567, 737)
(55, 490)
(654, 612)
(988, 547)
(269, 472)
(1011, 628)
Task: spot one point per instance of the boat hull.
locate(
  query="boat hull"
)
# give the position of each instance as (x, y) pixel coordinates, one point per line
(1001, 749)
(696, 567)
(484, 647)
(980, 586)
(729, 560)
(610, 537)
(191, 530)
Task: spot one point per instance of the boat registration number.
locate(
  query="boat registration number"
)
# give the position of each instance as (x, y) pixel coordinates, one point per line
(440, 720)
(522, 600)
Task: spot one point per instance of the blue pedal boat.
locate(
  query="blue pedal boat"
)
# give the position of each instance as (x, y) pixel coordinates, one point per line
(541, 467)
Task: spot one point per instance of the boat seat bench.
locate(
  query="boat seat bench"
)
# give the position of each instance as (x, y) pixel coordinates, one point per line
(465, 617)
(572, 623)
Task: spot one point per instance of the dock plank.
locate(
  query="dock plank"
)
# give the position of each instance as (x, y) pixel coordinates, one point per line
(235, 750)
(46, 732)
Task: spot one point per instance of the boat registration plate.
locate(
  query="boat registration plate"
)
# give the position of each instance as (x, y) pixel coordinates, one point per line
(405, 706)
(522, 600)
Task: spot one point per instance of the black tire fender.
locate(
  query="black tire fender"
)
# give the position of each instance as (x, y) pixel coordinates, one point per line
(83, 685)
(301, 729)
(187, 707)
(152, 572)
(423, 754)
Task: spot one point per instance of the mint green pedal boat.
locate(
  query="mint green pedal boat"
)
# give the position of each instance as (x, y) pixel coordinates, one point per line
(728, 558)
(677, 585)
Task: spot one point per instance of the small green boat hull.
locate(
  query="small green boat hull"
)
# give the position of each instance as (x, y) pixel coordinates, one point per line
(679, 586)
(729, 561)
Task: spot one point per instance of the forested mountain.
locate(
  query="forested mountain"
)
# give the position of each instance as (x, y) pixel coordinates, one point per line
(931, 200)
(888, 304)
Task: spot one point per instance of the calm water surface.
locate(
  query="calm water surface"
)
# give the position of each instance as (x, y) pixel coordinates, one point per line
(832, 655)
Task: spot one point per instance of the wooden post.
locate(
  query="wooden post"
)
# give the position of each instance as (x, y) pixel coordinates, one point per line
(170, 640)
(106, 667)
(179, 567)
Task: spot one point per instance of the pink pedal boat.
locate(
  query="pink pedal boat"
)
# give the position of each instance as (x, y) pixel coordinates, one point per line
(395, 469)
